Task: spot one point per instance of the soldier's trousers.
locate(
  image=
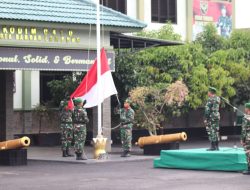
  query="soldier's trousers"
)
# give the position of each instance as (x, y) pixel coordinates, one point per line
(66, 135)
(212, 128)
(247, 150)
(80, 133)
(126, 137)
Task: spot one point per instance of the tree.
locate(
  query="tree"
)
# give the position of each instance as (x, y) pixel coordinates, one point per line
(211, 60)
(210, 40)
(166, 32)
(154, 104)
(60, 89)
(238, 64)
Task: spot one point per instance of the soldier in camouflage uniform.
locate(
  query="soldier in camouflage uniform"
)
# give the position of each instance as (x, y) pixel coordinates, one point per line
(66, 126)
(224, 24)
(80, 119)
(212, 118)
(245, 135)
(126, 118)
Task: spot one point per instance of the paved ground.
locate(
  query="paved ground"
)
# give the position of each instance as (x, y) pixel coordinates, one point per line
(54, 153)
(135, 175)
(118, 174)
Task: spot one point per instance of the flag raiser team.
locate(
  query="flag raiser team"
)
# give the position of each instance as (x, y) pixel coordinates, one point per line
(90, 93)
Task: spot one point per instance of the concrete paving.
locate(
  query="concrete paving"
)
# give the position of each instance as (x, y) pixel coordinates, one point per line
(49, 170)
(54, 154)
(137, 175)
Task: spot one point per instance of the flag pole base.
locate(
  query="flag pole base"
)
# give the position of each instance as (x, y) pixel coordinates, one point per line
(99, 147)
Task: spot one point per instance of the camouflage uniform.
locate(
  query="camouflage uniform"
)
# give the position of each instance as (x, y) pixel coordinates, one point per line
(66, 126)
(127, 118)
(245, 136)
(225, 26)
(80, 119)
(212, 118)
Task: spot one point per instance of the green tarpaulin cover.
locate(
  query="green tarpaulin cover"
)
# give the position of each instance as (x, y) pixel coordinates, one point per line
(226, 159)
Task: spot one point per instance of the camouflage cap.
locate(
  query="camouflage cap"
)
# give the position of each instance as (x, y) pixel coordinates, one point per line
(247, 105)
(212, 89)
(77, 101)
(128, 100)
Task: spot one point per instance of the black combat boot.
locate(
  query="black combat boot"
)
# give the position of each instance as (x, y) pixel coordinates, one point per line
(80, 157)
(246, 172)
(68, 153)
(128, 154)
(212, 148)
(125, 153)
(64, 154)
(217, 145)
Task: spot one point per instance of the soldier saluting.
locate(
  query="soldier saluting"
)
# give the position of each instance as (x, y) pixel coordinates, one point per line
(212, 118)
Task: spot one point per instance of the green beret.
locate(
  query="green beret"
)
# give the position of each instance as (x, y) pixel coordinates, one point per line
(247, 105)
(128, 100)
(212, 89)
(77, 101)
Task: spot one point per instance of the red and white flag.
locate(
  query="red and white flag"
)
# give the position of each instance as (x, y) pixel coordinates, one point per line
(88, 88)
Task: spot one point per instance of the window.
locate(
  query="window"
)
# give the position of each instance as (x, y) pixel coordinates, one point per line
(45, 77)
(163, 11)
(118, 5)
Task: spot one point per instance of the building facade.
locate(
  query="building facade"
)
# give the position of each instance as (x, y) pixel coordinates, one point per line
(35, 34)
(38, 40)
(187, 16)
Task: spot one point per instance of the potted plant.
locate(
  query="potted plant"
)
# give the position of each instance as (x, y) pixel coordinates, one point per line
(42, 111)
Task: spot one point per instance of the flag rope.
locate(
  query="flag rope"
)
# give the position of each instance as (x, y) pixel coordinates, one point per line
(90, 30)
(228, 103)
(113, 128)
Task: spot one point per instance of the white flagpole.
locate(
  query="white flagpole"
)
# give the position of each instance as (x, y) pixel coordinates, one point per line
(99, 141)
(98, 49)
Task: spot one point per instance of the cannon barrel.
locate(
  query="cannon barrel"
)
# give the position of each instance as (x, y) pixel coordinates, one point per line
(14, 144)
(159, 139)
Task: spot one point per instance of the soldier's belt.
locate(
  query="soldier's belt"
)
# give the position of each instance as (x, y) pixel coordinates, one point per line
(66, 122)
(79, 122)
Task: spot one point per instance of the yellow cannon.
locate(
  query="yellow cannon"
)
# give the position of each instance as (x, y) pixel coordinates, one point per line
(159, 139)
(14, 144)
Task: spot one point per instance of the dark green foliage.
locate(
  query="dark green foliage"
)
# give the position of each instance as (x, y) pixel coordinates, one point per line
(210, 40)
(211, 60)
(208, 61)
(61, 89)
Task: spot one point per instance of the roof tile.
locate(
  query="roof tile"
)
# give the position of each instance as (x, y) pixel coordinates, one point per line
(64, 11)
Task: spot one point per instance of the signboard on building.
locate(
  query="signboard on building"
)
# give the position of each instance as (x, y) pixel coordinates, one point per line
(49, 59)
(22, 33)
(209, 11)
(49, 37)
